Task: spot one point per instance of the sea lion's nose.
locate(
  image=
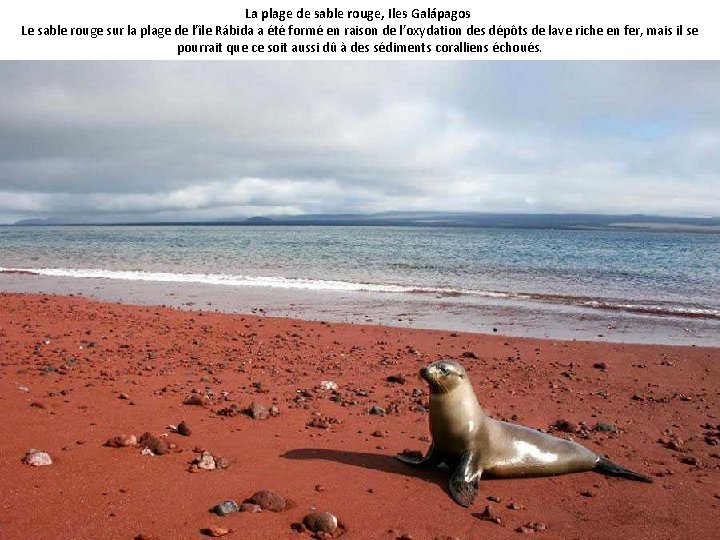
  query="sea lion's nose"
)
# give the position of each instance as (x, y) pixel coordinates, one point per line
(424, 373)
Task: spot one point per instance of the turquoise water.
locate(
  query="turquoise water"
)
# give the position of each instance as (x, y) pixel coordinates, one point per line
(650, 272)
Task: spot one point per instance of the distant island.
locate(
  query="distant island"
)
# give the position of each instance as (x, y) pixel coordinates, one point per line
(435, 219)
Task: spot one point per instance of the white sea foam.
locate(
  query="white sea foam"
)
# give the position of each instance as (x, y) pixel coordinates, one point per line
(230, 280)
(690, 311)
(351, 286)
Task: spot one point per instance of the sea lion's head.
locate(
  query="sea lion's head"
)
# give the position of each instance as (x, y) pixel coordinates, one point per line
(444, 375)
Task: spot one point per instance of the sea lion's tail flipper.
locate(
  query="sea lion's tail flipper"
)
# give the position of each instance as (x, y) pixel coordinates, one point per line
(605, 466)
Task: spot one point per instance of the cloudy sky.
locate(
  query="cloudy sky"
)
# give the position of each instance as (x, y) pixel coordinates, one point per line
(200, 140)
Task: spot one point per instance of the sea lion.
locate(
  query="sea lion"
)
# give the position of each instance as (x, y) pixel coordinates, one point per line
(471, 443)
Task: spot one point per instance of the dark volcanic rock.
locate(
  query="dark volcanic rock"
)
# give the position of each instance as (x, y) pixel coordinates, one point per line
(258, 412)
(232, 410)
(605, 427)
(155, 444)
(321, 522)
(226, 507)
(269, 500)
(565, 426)
(377, 410)
(489, 515)
(197, 399)
(183, 429)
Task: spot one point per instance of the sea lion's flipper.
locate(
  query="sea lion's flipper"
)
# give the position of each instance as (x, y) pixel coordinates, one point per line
(605, 466)
(430, 460)
(465, 481)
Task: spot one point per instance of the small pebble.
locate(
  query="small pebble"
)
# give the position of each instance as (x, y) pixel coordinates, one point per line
(258, 412)
(197, 399)
(226, 507)
(268, 500)
(183, 429)
(691, 460)
(36, 458)
(205, 461)
(377, 410)
(216, 531)
(565, 426)
(120, 441)
(604, 427)
(155, 444)
(489, 515)
(321, 522)
(530, 528)
(251, 508)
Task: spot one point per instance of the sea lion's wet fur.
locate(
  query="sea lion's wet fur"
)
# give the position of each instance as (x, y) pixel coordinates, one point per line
(471, 443)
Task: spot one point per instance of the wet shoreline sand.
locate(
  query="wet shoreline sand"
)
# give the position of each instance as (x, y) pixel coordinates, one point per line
(502, 316)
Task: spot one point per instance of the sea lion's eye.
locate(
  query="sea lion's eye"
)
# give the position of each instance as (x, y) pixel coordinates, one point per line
(444, 370)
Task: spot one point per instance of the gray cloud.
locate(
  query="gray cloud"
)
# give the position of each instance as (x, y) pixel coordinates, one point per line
(199, 140)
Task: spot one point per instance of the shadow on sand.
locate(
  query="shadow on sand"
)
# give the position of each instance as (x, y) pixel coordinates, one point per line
(365, 460)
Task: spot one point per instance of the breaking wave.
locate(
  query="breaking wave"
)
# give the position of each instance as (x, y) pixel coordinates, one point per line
(647, 308)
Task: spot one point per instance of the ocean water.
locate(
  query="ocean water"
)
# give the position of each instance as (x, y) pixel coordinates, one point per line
(650, 273)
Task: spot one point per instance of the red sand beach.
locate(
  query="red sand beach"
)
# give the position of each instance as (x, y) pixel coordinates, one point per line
(74, 373)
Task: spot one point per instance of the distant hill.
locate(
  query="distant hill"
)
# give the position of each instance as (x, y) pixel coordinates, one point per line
(473, 219)
(447, 219)
(39, 221)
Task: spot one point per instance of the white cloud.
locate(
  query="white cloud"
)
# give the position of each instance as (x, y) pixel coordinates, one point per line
(204, 140)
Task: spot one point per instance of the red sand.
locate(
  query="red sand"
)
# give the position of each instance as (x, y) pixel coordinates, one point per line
(156, 356)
